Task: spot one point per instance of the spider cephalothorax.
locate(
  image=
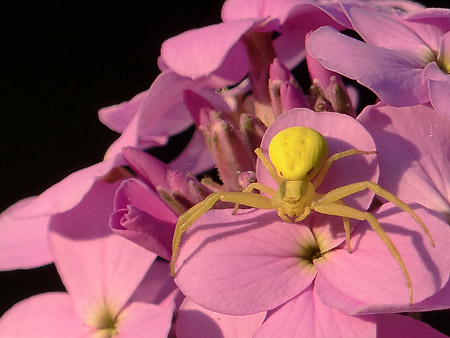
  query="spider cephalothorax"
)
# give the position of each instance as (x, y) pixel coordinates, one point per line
(299, 163)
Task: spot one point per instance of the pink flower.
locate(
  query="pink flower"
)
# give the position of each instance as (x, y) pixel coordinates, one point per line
(150, 118)
(408, 68)
(301, 273)
(219, 50)
(104, 277)
(141, 216)
(24, 226)
(147, 120)
(413, 149)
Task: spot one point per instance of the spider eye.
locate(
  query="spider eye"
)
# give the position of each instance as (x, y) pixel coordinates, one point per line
(298, 152)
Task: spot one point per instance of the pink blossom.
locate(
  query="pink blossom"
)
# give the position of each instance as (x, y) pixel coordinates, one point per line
(413, 149)
(146, 207)
(404, 60)
(147, 120)
(253, 261)
(143, 217)
(219, 51)
(150, 118)
(24, 226)
(102, 273)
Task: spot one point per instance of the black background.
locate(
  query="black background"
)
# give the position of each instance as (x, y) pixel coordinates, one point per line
(60, 63)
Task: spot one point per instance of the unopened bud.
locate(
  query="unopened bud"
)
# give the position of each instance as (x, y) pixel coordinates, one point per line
(228, 150)
(252, 130)
(187, 186)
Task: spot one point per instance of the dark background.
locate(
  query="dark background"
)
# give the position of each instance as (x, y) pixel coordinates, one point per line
(61, 62)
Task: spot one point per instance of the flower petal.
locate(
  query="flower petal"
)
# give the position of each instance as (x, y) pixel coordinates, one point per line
(99, 269)
(144, 320)
(369, 280)
(420, 172)
(395, 77)
(439, 96)
(194, 158)
(142, 217)
(157, 287)
(65, 194)
(193, 321)
(220, 270)
(389, 32)
(48, 315)
(161, 113)
(23, 242)
(307, 314)
(185, 53)
(119, 116)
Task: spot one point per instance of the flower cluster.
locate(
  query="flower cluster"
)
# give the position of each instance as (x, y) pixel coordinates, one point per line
(326, 219)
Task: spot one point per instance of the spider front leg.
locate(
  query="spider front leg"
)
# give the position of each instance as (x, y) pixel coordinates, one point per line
(327, 164)
(191, 215)
(348, 212)
(256, 186)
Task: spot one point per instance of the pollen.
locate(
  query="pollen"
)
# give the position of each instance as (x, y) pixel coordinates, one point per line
(298, 152)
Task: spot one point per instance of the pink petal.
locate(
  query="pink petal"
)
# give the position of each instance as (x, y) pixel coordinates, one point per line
(237, 9)
(130, 138)
(439, 301)
(160, 114)
(395, 326)
(97, 267)
(443, 57)
(307, 315)
(437, 17)
(119, 116)
(439, 96)
(23, 242)
(369, 280)
(342, 133)
(157, 287)
(48, 315)
(141, 216)
(195, 158)
(65, 194)
(433, 72)
(222, 272)
(144, 320)
(148, 168)
(193, 321)
(395, 77)
(185, 53)
(386, 31)
(304, 18)
(420, 172)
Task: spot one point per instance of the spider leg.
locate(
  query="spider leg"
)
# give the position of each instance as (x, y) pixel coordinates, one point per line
(350, 189)
(265, 161)
(346, 228)
(347, 233)
(327, 164)
(256, 186)
(191, 215)
(348, 212)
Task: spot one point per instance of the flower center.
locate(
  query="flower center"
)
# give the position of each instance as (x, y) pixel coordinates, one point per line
(106, 324)
(308, 252)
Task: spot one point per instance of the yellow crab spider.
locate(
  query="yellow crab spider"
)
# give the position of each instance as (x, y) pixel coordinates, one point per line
(299, 163)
